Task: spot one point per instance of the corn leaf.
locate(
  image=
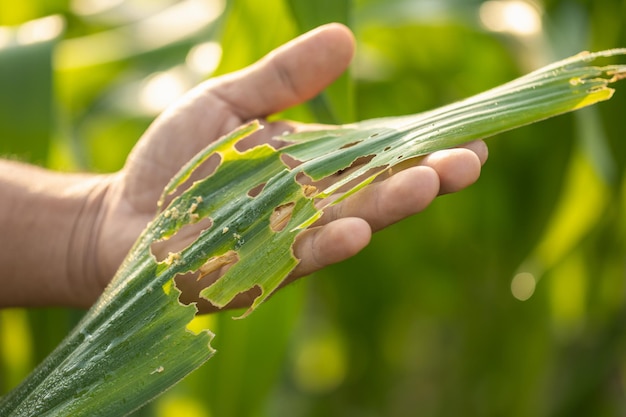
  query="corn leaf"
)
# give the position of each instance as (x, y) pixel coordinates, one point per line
(135, 342)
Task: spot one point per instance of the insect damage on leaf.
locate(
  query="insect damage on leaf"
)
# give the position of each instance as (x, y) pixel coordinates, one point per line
(158, 370)
(253, 192)
(239, 221)
(172, 258)
(176, 241)
(216, 263)
(281, 216)
(261, 198)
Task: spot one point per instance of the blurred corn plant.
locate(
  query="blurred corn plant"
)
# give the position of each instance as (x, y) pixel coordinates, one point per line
(506, 299)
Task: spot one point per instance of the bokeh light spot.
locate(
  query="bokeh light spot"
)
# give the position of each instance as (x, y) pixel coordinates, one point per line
(516, 17)
(523, 286)
(162, 89)
(204, 58)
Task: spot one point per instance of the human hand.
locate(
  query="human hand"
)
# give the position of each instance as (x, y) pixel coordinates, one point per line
(290, 75)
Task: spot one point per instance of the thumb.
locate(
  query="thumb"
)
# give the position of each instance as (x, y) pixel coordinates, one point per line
(289, 75)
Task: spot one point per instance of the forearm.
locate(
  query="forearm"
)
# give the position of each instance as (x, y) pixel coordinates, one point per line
(46, 220)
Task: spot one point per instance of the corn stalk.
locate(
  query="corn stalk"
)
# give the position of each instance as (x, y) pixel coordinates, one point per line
(135, 342)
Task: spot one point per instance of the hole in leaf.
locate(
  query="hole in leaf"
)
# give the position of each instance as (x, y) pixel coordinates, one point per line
(289, 161)
(281, 216)
(191, 284)
(208, 167)
(362, 160)
(205, 169)
(255, 191)
(309, 186)
(359, 179)
(302, 178)
(260, 138)
(248, 142)
(166, 249)
(351, 144)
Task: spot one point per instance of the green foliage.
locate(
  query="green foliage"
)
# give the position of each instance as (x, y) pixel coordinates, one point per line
(26, 82)
(424, 320)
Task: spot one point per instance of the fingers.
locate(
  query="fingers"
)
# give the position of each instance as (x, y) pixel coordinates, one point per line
(384, 203)
(291, 74)
(347, 227)
(413, 188)
(322, 246)
(458, 168)
(479, 147)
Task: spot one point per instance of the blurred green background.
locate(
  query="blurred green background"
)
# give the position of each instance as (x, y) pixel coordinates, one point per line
(507, 299)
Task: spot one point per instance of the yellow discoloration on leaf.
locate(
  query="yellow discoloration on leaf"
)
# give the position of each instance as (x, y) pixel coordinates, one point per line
(167, 287)
(598, 95)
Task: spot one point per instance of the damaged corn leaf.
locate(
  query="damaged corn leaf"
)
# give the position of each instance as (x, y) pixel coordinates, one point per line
(134, 343)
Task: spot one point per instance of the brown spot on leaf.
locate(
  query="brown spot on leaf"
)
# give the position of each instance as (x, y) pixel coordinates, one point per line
(309, 190)
(281, 216)
(218, 262)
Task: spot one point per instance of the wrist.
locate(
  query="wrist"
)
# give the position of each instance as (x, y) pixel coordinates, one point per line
(84, 277)
(45, 219)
